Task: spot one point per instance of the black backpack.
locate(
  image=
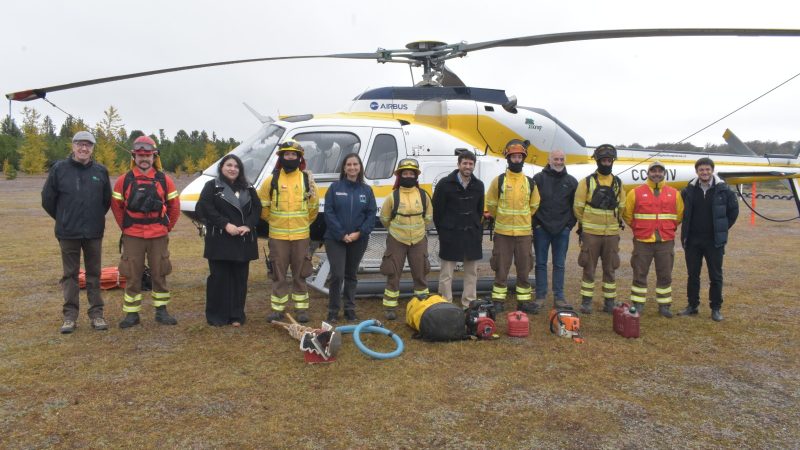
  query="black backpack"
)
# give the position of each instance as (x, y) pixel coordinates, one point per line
(396, 197)
(604, 197)
(144, 198)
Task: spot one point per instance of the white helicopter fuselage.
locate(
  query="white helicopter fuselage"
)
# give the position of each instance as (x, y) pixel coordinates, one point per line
(433, 124)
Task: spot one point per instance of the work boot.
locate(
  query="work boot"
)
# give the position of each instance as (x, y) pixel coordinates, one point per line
(498, 306)
(163, 317)
(608, 305)
(350, 315)
(390, 314)
(301, 316)
(586, 305)
(68, 326)
(537, 305)
(275, 315)
(130, 320)
(688, 311)
(560, 303)
(664, 311)
(332, 317)
(100, 324)
(528, 307)
(716, 315)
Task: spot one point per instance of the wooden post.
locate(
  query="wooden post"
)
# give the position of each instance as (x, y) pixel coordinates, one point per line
(753, 204)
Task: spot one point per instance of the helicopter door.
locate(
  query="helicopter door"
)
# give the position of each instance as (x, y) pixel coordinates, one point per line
(383, 152)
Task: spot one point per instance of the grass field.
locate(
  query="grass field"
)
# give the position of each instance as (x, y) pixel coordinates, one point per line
(687, 382)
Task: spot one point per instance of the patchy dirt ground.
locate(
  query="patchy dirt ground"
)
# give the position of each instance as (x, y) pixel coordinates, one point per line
(687, 382)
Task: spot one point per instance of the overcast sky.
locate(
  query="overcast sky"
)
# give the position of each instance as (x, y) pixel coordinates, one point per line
(619, 91)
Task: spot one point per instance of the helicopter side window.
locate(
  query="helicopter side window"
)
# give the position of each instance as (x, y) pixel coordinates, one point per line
(382, 158)
(324, 150)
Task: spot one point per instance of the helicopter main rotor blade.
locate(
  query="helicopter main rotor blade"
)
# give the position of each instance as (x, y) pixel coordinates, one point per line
(33, 94)
(542, 39)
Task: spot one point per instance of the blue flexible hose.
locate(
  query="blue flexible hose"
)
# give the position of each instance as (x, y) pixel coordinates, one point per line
(372, 326)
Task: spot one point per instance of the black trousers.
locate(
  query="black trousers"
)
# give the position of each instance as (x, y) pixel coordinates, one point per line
(344, 260)
(226, 291)
(695, 253)
(71, 261)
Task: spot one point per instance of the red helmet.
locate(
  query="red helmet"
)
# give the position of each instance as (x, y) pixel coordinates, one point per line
(144, 145)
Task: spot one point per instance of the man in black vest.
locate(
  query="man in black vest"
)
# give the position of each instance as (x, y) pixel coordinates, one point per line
(552, 221)
(457, 212)
(710, 209)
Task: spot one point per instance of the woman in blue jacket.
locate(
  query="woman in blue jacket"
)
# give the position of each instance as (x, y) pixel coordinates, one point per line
(350, 211)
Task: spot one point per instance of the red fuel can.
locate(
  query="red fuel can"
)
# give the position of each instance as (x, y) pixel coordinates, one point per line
(626, 323)
(518, 324)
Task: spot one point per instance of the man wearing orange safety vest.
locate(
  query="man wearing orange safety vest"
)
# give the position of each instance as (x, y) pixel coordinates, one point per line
(146, 207)
(289, 205)
(653, 211)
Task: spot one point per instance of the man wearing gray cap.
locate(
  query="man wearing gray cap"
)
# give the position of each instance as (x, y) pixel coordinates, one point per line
(653, 211)
(77, 194)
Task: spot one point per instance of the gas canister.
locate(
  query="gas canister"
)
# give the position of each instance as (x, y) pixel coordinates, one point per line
(518, 324)
(626, 321)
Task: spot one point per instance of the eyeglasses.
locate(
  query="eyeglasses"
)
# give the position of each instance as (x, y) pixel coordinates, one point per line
(86, 144)
(143, 146)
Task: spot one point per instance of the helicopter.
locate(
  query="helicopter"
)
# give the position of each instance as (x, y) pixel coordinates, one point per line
(440, 116)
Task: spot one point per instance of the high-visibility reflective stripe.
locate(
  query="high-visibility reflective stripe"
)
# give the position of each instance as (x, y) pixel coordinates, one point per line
(391, 294)
(587, 293)
(265, 203)
(639, 290)
(289, 214)
(587, 284)
(664, 300)
(390, 303)
(503, 227)
(610, 285)
(288, 230)
(514, 212)
(496, 288)
(278, 306)
(609, 294)
(601, 227)
(172, 195)
(523, 297)
(131, 308)
(636, 298)
(279, 300)
(117, 195)
(523, 289)
(668, 216)
(130, 299)
(666, 290)
(645, 216)
(423, 292)
(158, 303)
(300, 297)
(301, 305)
(160, 295)
(579, 204)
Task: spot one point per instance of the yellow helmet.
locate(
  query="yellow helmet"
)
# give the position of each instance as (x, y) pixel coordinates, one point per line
(290, 145)
(407, 164)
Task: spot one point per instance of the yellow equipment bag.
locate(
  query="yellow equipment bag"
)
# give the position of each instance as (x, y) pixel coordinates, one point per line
(436, 319)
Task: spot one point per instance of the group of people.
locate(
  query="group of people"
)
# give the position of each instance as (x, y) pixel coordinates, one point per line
(532, 218)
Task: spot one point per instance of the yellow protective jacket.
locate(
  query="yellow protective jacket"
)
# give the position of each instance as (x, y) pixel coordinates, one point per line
(630, 209)
(408, 227)
(512, 210)
(599, 222)
(289, 210)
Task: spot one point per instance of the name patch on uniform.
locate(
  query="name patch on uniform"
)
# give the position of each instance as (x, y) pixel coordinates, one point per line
(342, 193)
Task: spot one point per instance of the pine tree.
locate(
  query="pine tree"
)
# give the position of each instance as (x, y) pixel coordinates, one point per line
(32, 157)
(9, 170)
(108, 133)
(9, 127)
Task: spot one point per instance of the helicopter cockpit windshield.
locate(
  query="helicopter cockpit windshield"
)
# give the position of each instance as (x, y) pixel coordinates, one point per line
(255, 152)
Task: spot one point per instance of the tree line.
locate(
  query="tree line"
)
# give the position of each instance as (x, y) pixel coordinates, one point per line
(37, 145)
(759, 147)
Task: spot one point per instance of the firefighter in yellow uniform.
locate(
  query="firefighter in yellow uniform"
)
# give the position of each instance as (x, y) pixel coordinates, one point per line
(598, 207)
(406, 214)
(653, 211)
(289, 205)
(510, 202)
